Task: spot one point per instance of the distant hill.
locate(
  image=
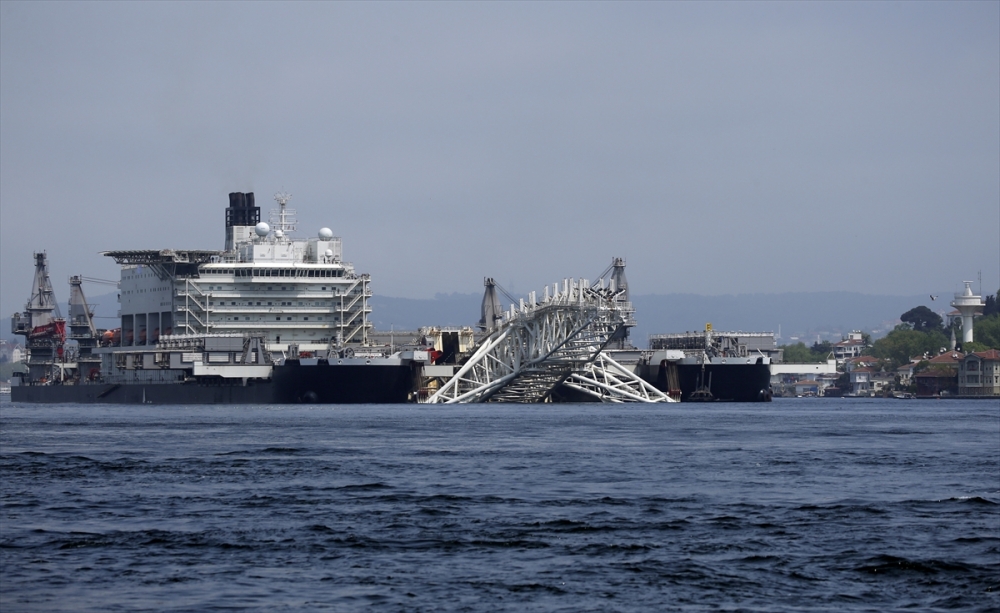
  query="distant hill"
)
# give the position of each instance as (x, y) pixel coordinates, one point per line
(799, 314)
(410, 313)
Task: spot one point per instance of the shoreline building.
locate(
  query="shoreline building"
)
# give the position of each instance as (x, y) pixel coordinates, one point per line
(969, 305)
(979, 374)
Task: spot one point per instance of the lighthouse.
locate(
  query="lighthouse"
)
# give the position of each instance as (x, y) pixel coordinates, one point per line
(967, 304)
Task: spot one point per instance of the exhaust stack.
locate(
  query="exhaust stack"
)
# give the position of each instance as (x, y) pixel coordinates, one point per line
(241, 217)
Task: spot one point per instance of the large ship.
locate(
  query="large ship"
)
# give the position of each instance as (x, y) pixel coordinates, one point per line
(711, 366)
(269, 319)
(693, 366)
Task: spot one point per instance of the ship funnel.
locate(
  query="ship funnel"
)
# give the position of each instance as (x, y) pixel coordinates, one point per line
(242, 216)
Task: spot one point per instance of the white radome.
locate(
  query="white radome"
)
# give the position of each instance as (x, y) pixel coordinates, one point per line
(278, 234)
(329, 253)
(262, 229)
(325, 233)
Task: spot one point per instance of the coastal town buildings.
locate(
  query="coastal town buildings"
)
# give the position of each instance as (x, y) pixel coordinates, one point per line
(904, 374)
(979, 374)
(867, 380)
(862, 361)
(935, 383)
(851, 347)
(861, 381)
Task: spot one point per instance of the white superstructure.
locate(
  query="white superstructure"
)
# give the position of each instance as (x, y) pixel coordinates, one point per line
(291, 291)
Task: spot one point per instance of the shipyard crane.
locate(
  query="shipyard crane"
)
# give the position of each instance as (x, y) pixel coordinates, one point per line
(41, 323)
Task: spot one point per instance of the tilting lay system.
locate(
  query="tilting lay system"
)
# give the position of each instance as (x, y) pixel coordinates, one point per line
(539, 345)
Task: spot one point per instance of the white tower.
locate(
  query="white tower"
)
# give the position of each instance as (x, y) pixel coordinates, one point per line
(967, 304)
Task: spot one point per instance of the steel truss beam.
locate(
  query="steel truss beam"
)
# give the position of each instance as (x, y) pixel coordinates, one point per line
(608, 381)
(550, 342)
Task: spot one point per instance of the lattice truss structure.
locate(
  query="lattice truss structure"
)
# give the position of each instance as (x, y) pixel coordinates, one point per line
(541, 344)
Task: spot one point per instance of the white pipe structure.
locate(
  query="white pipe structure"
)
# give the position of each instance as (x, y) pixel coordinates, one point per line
(608, 381)
(967, 304)
(542, 345)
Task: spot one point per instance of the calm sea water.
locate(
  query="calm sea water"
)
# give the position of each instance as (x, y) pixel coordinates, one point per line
(797, 505)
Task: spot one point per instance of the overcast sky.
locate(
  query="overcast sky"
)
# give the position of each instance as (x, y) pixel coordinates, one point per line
(719, 147)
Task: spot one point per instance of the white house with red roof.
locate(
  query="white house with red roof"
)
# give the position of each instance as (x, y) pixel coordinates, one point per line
(851, 347)
(905, 372)
(861, 381)
(861, 361)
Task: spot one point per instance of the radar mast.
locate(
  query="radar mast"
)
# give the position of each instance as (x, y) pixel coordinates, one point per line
(283, 218)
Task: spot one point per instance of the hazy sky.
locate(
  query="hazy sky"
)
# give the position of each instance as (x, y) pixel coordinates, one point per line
(719, 147)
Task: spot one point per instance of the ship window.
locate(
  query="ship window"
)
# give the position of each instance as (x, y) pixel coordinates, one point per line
(305, 319)
(268, 304)
(289, 319)
(258, 304)
(278, 318)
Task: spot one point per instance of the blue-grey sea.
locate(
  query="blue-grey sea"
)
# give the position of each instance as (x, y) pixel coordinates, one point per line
(796, 505)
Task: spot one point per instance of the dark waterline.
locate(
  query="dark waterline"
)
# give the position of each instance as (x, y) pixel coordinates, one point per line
(797, 505)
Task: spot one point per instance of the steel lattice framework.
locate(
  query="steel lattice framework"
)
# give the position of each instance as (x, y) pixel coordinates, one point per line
(543, 344)
(608, 381)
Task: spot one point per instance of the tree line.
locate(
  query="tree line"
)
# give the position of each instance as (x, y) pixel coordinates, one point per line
(922, 332)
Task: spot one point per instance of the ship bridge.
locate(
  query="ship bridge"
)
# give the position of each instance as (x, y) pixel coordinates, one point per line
(556, 342)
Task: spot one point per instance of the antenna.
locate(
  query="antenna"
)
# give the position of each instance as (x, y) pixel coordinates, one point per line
(283, 218)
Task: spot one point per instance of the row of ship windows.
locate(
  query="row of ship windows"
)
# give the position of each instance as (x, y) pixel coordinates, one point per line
(144, 291)
(290, 287)
(259, 303)
(274, 272)
(277, 318)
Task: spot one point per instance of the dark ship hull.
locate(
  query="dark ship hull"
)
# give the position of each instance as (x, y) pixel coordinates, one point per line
(729, 382)
(726, 382)
(292, 382)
